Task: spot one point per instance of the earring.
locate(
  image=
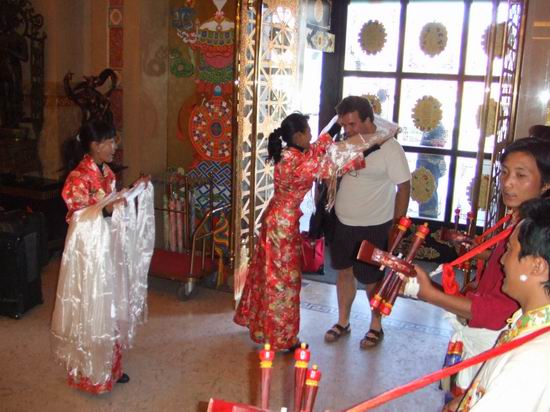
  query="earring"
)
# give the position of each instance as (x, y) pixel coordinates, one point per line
(523, 278)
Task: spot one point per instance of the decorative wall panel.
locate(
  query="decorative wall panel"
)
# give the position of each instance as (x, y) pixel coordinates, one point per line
(267, 77)
(116, 62)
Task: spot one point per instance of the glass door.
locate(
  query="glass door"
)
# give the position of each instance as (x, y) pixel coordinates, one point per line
(423, 65)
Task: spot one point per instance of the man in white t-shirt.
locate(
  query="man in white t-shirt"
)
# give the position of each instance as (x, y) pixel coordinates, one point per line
(368, 202)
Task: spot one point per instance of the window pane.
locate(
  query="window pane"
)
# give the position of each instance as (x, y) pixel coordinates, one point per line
(359, 13)
(429, 185)
(413, 90)
(472, 100)
(464, 181)
(311, 87)
(480, 21)
(382, 88)
(450, 15)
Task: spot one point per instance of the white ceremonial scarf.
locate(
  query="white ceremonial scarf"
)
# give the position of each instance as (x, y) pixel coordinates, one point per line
(133, 243)
(342, 153)
(100, 272)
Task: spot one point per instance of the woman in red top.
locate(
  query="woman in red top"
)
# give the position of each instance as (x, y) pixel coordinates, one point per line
(92, 179)
(270, 302)
(524, 175)
(87, 184)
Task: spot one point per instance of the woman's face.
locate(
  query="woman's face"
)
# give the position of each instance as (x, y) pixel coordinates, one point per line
(302, 139)
(520, 179)
(104, 151)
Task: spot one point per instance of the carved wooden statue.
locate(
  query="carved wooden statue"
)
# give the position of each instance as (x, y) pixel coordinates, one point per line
(21, 87)
(93, 104)
(13, 51)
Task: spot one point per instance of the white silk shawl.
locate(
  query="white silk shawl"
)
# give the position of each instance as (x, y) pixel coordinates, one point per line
(101, 293)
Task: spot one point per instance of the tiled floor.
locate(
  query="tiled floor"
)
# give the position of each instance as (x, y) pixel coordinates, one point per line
(191, 351)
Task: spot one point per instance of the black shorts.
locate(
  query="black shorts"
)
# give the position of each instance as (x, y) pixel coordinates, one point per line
(345, 245)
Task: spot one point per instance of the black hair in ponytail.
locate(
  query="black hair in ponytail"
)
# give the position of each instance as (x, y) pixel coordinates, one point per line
(74, 149)
(293, 123)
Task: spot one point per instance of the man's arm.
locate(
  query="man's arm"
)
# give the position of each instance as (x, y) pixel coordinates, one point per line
(402, 199)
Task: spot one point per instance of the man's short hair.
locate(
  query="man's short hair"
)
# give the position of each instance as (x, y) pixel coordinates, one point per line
(534, 232)
(357, 104)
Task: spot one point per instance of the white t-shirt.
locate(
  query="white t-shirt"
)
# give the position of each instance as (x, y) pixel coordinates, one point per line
(366, 197)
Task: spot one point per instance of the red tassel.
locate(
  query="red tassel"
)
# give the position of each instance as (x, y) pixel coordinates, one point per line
(450, 285)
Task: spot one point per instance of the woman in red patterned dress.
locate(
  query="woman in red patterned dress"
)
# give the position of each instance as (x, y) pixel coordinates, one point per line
(87, 184)
(270, 303)
(92, 179)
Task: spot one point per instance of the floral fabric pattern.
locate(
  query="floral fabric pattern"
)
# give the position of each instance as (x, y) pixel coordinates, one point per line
(86, 185)
(270, 303)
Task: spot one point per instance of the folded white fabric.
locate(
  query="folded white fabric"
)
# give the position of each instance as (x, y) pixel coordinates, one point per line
(412, 287)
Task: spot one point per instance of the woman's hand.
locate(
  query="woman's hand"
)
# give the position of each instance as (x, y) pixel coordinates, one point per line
(119, 200)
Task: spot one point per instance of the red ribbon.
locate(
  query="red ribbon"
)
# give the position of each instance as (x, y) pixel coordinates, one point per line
(450, 285)
(442, 373)
(498, 224)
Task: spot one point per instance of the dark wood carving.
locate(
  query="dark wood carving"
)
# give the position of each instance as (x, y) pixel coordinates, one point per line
(21, 86)
(92, 102)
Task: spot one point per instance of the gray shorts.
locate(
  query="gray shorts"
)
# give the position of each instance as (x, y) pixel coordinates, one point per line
(345, 245)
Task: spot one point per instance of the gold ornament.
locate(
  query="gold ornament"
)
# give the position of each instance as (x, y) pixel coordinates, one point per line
(424, 252)
(372, 37)
(499, 40)
(427, 113)
(427, 253)
(423, 185)
(374, 102)
(491, 117)
(433, 38)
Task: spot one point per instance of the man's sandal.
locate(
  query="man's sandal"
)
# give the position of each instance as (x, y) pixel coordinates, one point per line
(371, 339)
(336, 332)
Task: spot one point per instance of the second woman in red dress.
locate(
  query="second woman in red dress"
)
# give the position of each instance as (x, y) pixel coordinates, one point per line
(270, 303)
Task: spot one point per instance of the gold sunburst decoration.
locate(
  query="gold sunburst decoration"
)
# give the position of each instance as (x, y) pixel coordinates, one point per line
(374, 102)
(372, 37)
(423, 185)
(427, 113)
(499, 40)
(491, 117)
(433, 38)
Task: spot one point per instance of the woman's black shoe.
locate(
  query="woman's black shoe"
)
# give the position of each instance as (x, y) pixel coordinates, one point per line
(123, 379)
(294, 347)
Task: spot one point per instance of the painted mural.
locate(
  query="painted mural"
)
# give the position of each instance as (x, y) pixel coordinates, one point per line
(200, 90)
(200, 59)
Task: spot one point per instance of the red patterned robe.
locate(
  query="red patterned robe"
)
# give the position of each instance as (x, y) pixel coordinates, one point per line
(270, 303)
(86, 185)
